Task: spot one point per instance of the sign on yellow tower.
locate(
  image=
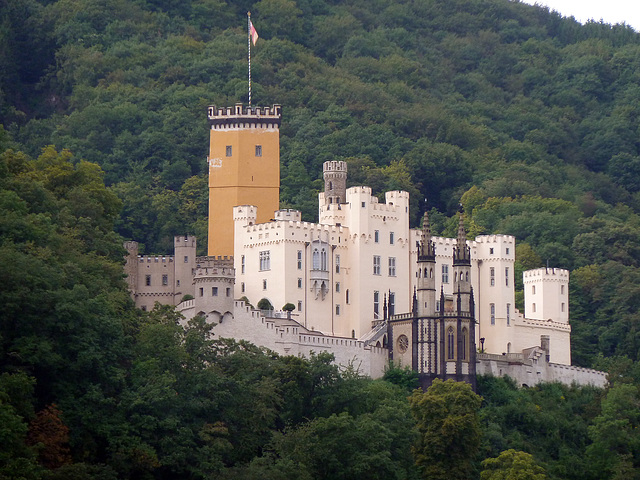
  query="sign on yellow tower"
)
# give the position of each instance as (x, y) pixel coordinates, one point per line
(244, 168)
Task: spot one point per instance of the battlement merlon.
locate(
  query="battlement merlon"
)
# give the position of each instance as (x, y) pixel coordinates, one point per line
(244, 114)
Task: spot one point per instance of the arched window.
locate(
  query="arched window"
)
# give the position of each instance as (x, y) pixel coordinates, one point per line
(316, 259)
(465, 333)
(431, 273)
(509, 347)
(323, 259)
(467, 276)
(451, 344)
(455, 277)
(330, 185)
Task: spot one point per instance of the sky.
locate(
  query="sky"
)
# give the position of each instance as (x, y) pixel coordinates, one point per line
(611, 11)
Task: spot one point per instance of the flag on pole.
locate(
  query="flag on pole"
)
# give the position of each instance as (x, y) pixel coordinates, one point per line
(253, 32)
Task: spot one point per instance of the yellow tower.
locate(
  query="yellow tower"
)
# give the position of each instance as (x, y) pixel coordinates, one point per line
(244, 168)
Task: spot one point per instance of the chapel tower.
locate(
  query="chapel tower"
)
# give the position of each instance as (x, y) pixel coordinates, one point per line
(244, 168)
(426, 292)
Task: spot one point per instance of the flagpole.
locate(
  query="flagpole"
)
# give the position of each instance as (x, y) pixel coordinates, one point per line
(249, 50)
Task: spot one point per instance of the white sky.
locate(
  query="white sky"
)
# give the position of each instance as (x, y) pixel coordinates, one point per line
(611, 11)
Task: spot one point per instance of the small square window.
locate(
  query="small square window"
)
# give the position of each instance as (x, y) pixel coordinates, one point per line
(258, 150)
(229, 150)
(491, 251)
(364, 204)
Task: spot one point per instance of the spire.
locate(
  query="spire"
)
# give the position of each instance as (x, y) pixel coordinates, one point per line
(427, 250)
(462, 253)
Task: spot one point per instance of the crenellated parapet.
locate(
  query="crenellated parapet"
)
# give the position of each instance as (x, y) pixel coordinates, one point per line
(244, 116)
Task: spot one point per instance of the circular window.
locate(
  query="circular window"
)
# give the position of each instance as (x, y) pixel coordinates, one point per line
(402, 343)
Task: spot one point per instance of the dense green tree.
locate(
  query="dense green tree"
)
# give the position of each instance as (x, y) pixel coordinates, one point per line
(512, 465)
(449, 429)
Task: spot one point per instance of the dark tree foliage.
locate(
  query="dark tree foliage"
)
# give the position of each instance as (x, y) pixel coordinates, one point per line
(528, 118)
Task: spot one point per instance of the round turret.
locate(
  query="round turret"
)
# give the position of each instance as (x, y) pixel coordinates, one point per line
(335, 182)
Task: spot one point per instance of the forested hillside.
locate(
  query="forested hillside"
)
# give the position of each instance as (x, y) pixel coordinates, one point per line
(529, 119)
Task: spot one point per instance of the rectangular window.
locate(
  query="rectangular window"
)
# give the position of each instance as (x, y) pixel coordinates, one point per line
(533, 307)
(376, 304)
(242, 264)
(265, 260)
(507, 250)
(445, 273)
(364, 205)
(493, 314)
(228, 292)
(391, 239)
(506, 276)
(392, 303)
(376, 236)
(299, 306)
(242, 287)
(264, 284)
(337, 287)
(508, 314)
(533, 289)
(229, 150)
(493, 276)
(392, 266)
(337, 309)
(347, 296)
(299, 283)
(165, 279)
(214, 291)
(337, 263)
(562, 307)
(491, 251)
(186, 259)
(561, 289)
(258, 150)
(147, 280)
(177, 283)
(376, 265)
(299, 259)
(201, 291)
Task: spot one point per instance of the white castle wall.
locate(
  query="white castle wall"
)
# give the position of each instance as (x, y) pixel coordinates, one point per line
(531, 373)
(287, 337)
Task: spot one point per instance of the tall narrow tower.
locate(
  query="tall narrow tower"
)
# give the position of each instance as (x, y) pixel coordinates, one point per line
(426, 293)
(244, 168)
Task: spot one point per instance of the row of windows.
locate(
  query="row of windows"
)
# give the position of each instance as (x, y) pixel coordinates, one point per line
(165, 280)
(376, 237)
(533, 307)
(376, 304)
(493, 313)
(214, 291)
(377, 265)
(492, 274)
(506, 251)
(229, 150)
(533, 289)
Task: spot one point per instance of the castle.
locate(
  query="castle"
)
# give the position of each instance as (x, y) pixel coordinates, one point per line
(361, 283)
